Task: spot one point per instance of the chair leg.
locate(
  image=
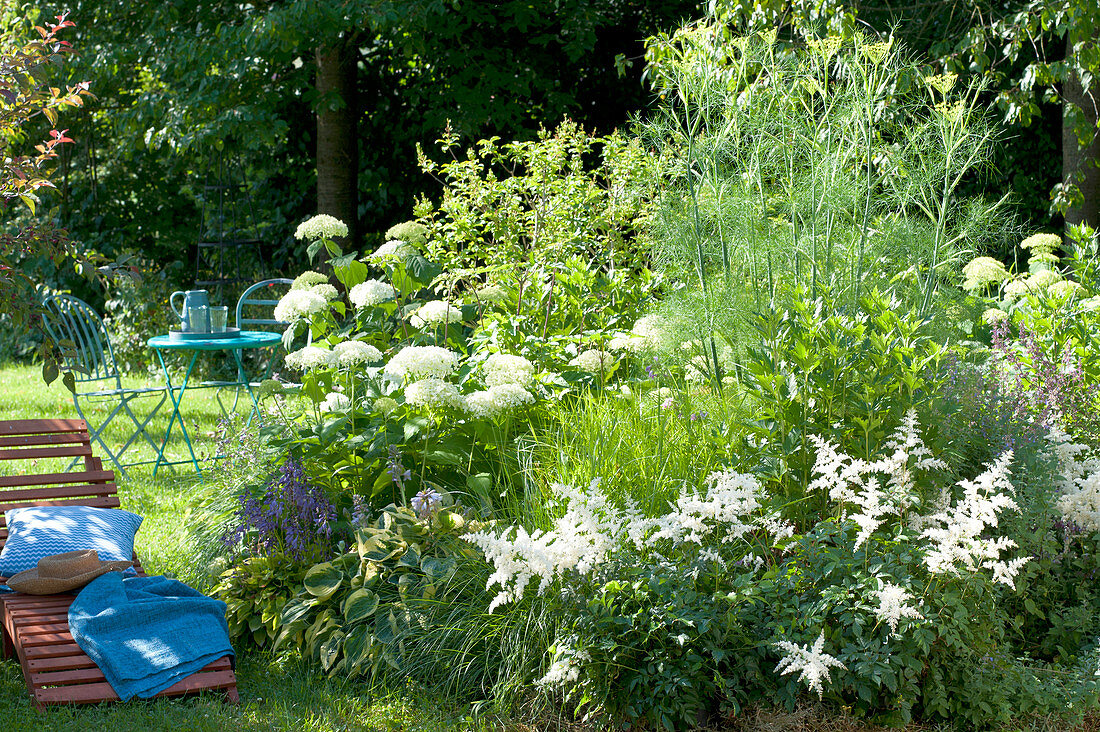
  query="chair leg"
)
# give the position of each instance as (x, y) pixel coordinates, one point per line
(96, 436)
(141, 431)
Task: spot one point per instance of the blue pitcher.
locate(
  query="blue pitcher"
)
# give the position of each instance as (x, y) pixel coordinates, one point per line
(191, 299)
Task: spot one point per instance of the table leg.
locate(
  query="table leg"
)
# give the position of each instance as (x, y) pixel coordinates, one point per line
(242, 377)
(176, 412)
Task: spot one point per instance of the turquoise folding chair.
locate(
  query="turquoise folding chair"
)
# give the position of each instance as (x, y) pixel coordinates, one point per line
(86, 350)
(256, 311)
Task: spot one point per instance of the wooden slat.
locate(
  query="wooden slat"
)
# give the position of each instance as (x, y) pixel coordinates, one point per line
(57, 664)
(86, 476)
(39, 453)
(101, 502)
(67, 491)
(14, 444)
(32, 426)
(52, 650)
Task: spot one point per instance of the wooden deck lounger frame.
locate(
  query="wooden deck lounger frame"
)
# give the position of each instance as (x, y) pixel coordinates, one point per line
(36, 628)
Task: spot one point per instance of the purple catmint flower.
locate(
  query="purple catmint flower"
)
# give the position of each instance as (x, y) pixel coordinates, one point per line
(293, 517)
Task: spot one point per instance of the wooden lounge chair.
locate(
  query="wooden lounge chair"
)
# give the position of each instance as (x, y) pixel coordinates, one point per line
(36, 627)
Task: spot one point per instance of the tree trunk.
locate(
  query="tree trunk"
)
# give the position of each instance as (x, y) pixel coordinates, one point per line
(337, 150)
(1079, 164)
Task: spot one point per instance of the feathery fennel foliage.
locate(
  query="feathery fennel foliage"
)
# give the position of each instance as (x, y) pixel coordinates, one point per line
(836, 166)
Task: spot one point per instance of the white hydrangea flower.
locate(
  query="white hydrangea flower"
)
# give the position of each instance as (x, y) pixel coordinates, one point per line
(435, 312)
(491, 293)
(511, 396)
(370, 293)
(503, 368)
(1065, 289)
(1043, 279)
(423, 361)
(385, 405)
(1016, 289)
(992, 316)
(321, 226)
(310, 358)
(308, 279)
(626, 342)
(393, 249)
(350, 353)
(893, 605)
(982, 272)
(1041, 242)
(813, 664)
(481, 405)
(335, 402)
(299, 304)
(434, 394)
(497, 400)
(593, 361)
(325, 290)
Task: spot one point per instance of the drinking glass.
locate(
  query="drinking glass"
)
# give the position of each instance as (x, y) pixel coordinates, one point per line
(218, 317)
(199, 317)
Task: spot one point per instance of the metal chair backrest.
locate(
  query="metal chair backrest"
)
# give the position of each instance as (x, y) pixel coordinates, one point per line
(264, 294)
(70, 320)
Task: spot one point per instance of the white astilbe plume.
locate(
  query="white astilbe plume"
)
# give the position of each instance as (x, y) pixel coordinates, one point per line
(812, 663)
(565, 668)
(730, 497)
(581, 539)
(955, 540)
(858, 485)
(893, 605)
(1078, 481)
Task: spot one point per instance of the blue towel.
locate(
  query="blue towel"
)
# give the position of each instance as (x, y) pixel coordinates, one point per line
(147, 633)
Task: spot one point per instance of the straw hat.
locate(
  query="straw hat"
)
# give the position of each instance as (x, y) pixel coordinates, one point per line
(63, 572)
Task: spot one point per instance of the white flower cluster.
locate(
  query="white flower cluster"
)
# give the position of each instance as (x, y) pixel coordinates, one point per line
(435, 312)
(565, 668)
(370, 293)
(893, 605)
(352, 353)
(497, 400)
(955, 537)
(730, 497)
(298, 304)
(813, 664)
(491, 293)
(592, 527)
(580, 540)
(321, 226)
(434, 394)
(393, 250)
(855, 483)
(423, 361)
(385, 405)
(325, 290)
(1079, 481)
(310, 358)
(593, 361)
(982, 272)
(308, 279)
(502, 368)
(335, 402)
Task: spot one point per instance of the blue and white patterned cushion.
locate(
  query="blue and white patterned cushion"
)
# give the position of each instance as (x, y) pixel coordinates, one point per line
(42, 531)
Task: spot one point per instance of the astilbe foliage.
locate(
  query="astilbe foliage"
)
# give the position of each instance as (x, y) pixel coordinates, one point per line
(292, 518)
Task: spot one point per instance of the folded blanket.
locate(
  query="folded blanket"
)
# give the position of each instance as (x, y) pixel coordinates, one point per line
(147, 633)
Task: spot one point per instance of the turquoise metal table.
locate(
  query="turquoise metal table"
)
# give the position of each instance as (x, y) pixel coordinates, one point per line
(244, 340)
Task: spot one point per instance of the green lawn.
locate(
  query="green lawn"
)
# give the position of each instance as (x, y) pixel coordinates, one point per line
(274, 695)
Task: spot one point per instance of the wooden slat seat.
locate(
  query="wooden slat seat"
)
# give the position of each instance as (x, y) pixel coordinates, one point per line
(36, 627)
